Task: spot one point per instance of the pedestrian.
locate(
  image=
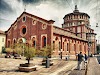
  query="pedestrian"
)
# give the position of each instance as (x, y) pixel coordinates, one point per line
(80, 59)
(67, 56)
(85, 56)
(85, 61)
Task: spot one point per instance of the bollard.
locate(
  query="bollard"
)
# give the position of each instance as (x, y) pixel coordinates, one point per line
(47, 63)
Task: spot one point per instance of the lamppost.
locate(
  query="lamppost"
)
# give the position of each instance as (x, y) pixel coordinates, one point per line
(61, 54)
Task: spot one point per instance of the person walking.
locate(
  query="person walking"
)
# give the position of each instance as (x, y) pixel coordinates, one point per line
(85, 56)
(80, 59)
(85, 60)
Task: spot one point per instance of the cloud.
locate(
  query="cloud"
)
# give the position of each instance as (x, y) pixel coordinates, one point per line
(4, 7)
(35, 2)
(47, 9)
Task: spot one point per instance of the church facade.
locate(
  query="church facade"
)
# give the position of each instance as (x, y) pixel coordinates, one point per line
(73, 37)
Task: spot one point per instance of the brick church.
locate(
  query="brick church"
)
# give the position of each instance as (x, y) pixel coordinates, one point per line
(74, 36)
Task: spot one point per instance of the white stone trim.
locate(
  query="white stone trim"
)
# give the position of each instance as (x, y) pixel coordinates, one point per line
(35, 21)
(21, 30)
(15, 26)
(33, 36)
(23, 17)
(44, 27)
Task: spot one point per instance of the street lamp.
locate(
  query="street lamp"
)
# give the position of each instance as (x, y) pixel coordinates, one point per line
(61, 54)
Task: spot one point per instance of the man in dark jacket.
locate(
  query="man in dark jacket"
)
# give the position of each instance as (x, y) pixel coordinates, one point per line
(80, 59)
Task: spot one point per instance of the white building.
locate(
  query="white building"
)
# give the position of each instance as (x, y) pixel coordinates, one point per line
(2, 40)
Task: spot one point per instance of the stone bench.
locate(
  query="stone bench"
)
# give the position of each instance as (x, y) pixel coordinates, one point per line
(17, 57)
(27, 69)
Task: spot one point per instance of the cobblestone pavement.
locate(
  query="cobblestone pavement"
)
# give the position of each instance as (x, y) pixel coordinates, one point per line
(93, 67)
(9, 66)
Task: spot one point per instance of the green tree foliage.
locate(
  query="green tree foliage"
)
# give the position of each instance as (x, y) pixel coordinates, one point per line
(26, 50)
(47, 51)
(18, 48)
(29, 52)
(9, 50)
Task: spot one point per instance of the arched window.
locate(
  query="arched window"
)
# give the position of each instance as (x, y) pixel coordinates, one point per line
(59, 46)
(56, 38)
(14, 41)
(44, 41)
(63, 46)
(53, 45)
(75, 48)
(33, 42)
(67, 46)
(80, 47)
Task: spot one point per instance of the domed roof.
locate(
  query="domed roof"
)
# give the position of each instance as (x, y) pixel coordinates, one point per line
(76, 12)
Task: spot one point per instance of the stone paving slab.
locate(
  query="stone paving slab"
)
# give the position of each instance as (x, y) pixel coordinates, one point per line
(93, 67)
(9, 66)
(77, 72)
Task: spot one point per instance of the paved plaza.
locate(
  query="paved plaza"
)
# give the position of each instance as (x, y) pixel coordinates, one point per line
(9, 66)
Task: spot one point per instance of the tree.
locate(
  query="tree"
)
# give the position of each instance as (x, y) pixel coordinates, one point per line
(18, 48)
(47, 51)
(9, 50)
(29, 52)
(26, 50)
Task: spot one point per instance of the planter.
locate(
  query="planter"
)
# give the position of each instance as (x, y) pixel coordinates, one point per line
(47, 62)
(27, 67)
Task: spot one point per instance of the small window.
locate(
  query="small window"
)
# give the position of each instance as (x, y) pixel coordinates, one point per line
(24, 19)
(34, 22)
(2, 39)
(44, 26)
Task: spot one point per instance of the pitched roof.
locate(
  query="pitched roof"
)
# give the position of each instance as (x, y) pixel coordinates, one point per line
(2, 32)
(48, 21)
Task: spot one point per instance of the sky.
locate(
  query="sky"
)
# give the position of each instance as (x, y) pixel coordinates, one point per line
(49, 9)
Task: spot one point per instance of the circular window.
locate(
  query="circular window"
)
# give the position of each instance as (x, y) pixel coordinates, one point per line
(24, 30)
(34, 22)
(44, 26)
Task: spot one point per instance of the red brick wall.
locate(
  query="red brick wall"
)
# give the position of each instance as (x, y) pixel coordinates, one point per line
(31, 30)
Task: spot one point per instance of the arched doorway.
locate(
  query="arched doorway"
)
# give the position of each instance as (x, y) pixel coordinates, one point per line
(21, 40)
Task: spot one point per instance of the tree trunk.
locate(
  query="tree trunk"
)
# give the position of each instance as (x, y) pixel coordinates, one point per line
(28, 60)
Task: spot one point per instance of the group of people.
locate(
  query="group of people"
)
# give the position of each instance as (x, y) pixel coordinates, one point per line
(82, 59)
